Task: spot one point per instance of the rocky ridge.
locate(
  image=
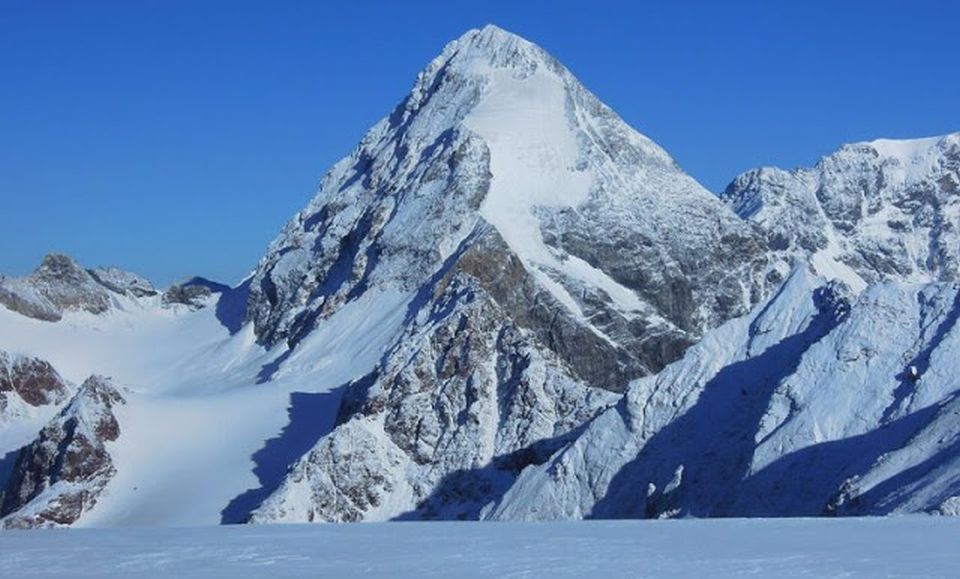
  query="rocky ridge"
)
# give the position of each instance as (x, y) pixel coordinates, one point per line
(28, 382)
(877, 211)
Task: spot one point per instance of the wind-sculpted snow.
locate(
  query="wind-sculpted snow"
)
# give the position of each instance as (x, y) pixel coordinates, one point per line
(860, 548)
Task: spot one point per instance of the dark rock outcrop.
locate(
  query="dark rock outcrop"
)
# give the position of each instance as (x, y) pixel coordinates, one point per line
(29, 381)
(61, 474)
(192, 293)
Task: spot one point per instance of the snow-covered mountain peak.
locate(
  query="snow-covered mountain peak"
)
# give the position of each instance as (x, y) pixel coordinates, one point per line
(901, 162)
(58, 266)
(501, 70)
(62, 473)
(500, 48)
(497, 133)
(546, 254)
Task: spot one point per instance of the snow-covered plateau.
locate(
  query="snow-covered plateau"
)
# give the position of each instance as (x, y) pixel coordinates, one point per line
(890, 547)
(507, 304)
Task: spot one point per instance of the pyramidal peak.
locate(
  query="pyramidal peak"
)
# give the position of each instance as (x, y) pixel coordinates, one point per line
(496, 133)
(500, 45)
(485, 60)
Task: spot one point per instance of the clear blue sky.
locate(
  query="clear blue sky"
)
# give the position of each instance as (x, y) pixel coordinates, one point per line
(175, 138)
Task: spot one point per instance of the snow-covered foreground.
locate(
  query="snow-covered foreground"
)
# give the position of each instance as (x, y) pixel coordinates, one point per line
(898, 546)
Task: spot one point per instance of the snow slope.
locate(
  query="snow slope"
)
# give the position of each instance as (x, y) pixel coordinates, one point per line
(894, 547)
(196, 413)
(817, 403)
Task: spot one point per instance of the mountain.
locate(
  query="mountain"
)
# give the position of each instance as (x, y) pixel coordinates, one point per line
(505, 303)
(549, 254)
(818, 403)
(31, 392)
(59, 284)
(498, 149)
(25, 383)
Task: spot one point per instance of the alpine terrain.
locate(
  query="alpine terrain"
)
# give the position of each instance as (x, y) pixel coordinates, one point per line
(506, 303)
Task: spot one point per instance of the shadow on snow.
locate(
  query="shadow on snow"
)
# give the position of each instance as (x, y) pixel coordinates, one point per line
(311, 415)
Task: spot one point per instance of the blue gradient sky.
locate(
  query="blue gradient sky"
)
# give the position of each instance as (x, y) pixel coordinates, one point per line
(175, 138)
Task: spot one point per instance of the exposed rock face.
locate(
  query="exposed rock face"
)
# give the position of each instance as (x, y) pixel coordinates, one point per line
(194, 293)
(28, 382)
(461, 404)
(551, 261)
(59, 284)
(888, 210)
(60, 475)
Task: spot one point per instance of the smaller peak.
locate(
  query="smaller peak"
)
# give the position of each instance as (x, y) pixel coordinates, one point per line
(99, 386)
(215, 287)
(97, 393)
(903, 147)
(121, 281)
(59, 266)
(57, 261)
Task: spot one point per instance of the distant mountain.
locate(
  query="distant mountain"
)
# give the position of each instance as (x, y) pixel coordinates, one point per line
(505, 303)
(59, 285)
